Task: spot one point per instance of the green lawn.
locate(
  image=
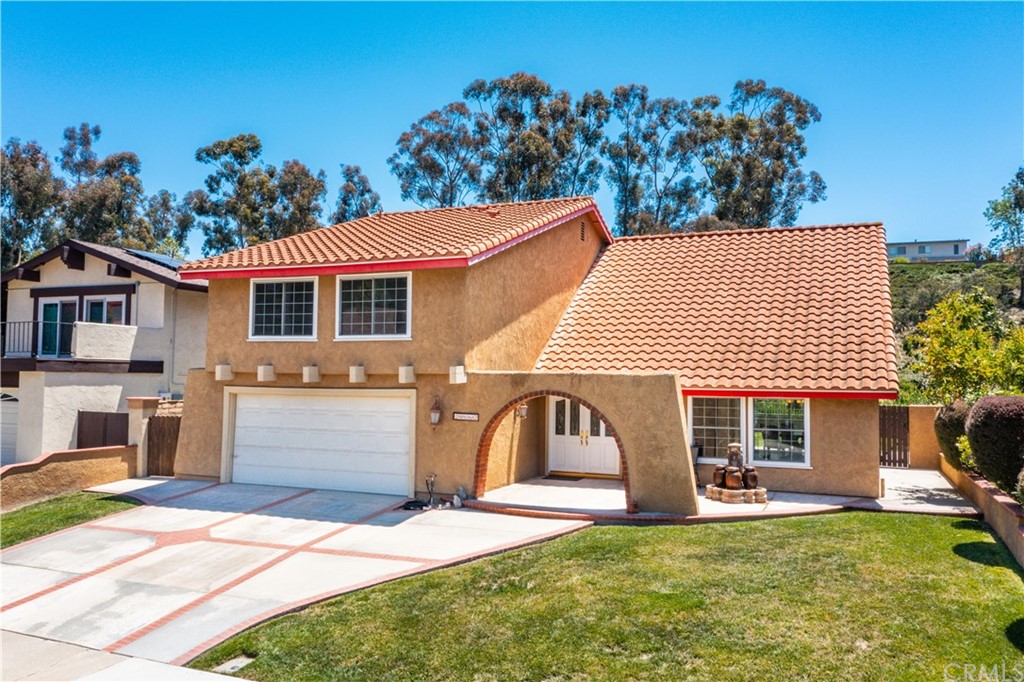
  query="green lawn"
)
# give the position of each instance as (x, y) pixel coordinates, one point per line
(843, 596)
(58, 513)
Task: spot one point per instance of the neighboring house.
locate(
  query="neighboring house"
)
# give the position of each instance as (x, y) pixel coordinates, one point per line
(86, 326)
(492, 344)
(929, 251)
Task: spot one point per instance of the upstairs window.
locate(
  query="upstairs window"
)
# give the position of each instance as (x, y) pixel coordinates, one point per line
(374, 307)
(283, 309)
(108, 310)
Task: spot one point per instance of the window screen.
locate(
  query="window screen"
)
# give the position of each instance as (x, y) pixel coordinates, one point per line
(283, 308)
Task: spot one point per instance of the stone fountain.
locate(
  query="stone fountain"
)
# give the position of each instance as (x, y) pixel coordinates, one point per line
(734, 482)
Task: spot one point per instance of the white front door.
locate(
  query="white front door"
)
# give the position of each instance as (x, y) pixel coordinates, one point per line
(578, 442)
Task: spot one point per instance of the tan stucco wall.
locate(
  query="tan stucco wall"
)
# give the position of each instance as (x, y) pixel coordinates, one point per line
(518, 447)
(924, 446)
(64, 472)
(50, 401)
(843, 449)
(496, 314)
(647, 411)
(436, 343)
(515, 299)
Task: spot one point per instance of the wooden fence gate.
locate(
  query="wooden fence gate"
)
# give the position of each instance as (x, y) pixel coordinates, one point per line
(100, 429)
(894, 435)
(161, 444)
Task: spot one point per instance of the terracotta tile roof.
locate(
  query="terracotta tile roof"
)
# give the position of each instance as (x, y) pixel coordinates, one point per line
(463, 233)
(803, 309)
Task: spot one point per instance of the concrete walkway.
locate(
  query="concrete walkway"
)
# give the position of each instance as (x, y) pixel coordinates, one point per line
(906, 491)
(202, 562)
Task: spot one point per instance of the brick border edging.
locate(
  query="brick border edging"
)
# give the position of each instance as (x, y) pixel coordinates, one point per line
(483, 450)
(999, 510)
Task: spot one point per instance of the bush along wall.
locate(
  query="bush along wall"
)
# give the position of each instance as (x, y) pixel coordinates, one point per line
(950, 422)
(995, 430)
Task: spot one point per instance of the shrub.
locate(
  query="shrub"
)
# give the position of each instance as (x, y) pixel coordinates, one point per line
(1020, 487)
(967, 462)
(995, 429)
(949, 426)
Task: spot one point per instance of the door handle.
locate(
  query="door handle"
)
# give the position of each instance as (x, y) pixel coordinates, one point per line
(586, 439)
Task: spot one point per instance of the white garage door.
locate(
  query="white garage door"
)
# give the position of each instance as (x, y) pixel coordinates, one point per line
(8, 428)
(334, 442)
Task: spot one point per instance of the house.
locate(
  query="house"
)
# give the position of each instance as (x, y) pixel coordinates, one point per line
(929, 251)
(486, 345)
(84, 327)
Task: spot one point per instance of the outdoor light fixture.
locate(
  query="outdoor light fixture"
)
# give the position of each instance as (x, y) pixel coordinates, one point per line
(521, 409)
(435, 411)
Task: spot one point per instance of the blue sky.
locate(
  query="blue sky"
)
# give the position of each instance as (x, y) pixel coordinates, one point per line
(922, 103)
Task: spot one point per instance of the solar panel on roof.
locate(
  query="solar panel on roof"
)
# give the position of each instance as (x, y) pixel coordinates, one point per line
(158, 258)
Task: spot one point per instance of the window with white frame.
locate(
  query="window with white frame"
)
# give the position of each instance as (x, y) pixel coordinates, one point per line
(283, 309)
(105, 309)
(779, 430)
(378, 306)
(771, 431)
(716, 423)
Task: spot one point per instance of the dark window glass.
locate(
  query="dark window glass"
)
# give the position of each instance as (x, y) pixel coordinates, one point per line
(374, 307)
(559, 417)
(574, 418)
(283, 308)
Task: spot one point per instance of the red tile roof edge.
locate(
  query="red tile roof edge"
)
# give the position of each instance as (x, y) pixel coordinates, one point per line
(470, 255)
(749, 230)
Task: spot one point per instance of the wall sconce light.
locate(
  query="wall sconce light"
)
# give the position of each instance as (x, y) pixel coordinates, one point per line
(521, 409)
(435, 411)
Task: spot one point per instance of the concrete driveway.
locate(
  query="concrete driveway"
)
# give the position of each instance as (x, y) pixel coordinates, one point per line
(202, 562)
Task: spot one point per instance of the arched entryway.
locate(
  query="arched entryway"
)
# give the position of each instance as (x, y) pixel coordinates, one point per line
(590, 416)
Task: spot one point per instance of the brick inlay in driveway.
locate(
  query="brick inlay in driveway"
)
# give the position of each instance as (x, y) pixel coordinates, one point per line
(169, 580)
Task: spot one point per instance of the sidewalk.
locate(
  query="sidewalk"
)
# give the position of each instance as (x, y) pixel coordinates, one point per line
(32, 658)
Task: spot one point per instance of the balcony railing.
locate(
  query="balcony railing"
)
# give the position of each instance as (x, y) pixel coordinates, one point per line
(67, 340)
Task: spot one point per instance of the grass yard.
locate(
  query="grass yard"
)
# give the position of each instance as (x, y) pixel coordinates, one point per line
(58, 513)
(844, 596)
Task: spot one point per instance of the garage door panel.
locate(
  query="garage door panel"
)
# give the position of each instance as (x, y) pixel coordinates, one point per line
(359, 443)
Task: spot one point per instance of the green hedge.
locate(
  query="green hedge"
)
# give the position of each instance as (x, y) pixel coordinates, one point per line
(995, 430)
(949, 427)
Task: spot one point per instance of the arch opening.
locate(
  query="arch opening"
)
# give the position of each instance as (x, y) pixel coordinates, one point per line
(564, 441)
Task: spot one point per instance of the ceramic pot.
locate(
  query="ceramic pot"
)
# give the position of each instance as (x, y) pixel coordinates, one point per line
(719, 476)
(750, 477)
(733, 478)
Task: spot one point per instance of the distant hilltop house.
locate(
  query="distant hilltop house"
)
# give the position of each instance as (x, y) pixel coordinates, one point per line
(930, 251)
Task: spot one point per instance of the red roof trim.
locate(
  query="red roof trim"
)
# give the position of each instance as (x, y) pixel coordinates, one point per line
(328, 269)
(544, 228)
(772, 393)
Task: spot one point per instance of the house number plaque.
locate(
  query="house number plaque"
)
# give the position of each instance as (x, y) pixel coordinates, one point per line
(466, 416)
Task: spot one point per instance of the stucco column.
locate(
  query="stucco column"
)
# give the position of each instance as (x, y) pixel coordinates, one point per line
(139, 412)
(924, 446)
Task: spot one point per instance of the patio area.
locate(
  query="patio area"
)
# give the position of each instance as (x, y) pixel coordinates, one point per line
(906, 491)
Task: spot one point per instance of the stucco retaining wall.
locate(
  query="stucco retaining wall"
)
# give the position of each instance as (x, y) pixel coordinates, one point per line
(924, 446)
(63, 472)
(646, 411)
(1001, 512)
